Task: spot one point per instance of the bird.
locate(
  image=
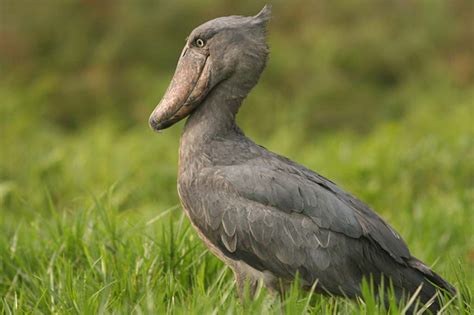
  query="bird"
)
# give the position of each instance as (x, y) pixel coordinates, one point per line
(268, 218)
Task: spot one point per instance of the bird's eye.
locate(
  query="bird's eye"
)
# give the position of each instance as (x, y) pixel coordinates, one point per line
(199, 43)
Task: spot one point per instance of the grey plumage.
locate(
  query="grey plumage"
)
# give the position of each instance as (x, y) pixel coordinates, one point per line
(264, 215)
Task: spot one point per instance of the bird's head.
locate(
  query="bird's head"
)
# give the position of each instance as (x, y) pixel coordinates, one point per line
(227, 48)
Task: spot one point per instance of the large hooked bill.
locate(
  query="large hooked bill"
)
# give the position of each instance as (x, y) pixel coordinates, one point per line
(187, 89)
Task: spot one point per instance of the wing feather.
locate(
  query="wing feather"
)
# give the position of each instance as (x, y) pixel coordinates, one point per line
(292, 190)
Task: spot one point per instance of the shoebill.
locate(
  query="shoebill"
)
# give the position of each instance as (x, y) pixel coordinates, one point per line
(262, 214)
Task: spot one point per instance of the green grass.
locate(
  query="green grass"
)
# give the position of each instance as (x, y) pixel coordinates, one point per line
(90, 221)
(98, 260)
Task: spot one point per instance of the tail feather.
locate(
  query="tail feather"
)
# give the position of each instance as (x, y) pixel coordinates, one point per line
(431, 276)
(432, 283)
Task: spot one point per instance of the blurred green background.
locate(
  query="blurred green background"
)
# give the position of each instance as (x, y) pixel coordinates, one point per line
(377, 95)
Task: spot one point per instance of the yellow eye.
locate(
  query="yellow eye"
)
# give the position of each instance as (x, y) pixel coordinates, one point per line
(200, 43)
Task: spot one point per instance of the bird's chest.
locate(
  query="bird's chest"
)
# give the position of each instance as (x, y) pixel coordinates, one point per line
(199, 186)
(191, 193)
(188, 193)
(191, 201)
(193, 158)
(194, 189)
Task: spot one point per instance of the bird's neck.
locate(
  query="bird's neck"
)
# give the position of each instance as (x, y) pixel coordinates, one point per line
(214, 118)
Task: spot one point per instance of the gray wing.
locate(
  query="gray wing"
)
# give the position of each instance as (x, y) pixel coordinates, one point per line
(325, 200)
(283, 221)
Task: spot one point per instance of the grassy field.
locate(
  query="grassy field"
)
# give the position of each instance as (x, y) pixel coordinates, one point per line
(91, 221)
(375, 96)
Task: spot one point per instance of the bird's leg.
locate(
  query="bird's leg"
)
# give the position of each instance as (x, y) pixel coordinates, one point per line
(246, 285)
(246, 281)
(274, 284)
(277, 288)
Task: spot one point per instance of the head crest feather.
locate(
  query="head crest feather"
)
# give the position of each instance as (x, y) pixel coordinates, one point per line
(264, 15)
